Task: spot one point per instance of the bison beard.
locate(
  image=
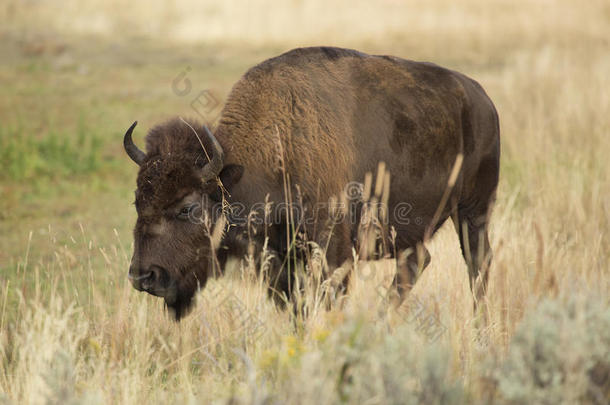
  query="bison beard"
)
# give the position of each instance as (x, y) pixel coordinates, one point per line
(178, 296)
(178, 300)
(180, 305)
(322, 117)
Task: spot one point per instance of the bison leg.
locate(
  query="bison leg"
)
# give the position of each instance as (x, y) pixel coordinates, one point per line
(472, 231)
(477, 253)
(338, 244)
(471, 220)
(410, 263)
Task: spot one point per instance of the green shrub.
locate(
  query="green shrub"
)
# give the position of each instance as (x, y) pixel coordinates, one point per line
(560, 354)
(363, 363)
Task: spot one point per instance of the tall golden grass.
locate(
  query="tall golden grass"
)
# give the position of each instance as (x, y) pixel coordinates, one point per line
(544, 63)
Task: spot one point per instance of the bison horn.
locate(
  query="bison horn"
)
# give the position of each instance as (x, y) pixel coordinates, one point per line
(132, 150)
(213, 168)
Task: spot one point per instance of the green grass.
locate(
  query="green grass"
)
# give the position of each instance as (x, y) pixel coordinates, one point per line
(54, 154)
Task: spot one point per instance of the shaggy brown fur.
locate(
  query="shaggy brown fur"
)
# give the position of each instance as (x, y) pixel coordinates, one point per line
(324, 117)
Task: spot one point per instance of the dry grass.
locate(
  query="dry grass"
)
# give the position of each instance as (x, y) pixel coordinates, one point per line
(545, 64)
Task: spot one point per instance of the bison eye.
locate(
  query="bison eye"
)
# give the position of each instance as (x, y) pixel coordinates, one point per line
(185, 212)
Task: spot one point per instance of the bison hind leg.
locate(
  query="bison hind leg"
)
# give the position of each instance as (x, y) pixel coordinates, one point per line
(471, 221)
(474, 241)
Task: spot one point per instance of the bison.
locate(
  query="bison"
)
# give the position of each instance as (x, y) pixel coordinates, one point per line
(304, 125)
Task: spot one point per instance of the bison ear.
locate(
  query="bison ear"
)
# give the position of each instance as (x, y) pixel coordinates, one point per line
(229, 176)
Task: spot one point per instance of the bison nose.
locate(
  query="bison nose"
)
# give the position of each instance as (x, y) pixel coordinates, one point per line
(155, 280)
(137, 277)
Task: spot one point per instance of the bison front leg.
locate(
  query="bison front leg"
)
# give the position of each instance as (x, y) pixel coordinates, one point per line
(410, 263)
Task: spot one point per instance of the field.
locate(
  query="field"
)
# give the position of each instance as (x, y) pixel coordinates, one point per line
(75, 75)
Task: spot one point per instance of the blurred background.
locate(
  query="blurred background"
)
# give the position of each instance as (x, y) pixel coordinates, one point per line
(75, 74)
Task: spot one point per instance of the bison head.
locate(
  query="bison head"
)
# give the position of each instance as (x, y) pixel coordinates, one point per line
(180, 187)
